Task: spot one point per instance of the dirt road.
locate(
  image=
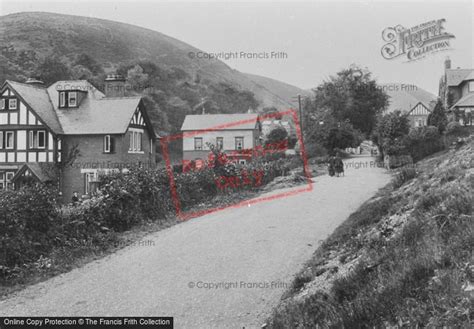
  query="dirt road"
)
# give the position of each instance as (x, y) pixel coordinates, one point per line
(249, 253)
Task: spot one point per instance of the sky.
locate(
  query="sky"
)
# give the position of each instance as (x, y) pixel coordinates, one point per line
(312, 40)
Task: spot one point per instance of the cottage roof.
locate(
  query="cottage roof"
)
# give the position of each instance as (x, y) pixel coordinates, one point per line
(37, 97)
(404, 97)
(96, 114)
(466, 101)
(241, 121)
(454, 77)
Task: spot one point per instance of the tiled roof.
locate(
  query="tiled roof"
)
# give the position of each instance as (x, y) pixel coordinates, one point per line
(465, 101)
(96, 114)
(243, 121)
(404, 97)
(38, 98)
(455, 76)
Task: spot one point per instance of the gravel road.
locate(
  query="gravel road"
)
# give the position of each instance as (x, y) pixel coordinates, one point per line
(250, 253)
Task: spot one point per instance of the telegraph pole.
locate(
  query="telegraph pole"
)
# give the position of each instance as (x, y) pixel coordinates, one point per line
(300, 114)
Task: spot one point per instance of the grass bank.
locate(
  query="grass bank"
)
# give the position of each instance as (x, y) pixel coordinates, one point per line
(403, 259)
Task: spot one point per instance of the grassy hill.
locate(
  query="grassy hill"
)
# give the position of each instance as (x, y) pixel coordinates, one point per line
(402, 260)
(28, 39)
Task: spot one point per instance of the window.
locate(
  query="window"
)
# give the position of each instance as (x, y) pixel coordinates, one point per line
(9, 140)
(6, 180)
(242, 161)
(220, 143)
(135, 141)
(12, 104)
(72, 98)
(1, 140)
(89, 179)
(37, 139)
(107, 146)
(198, 143)
(239, 143)
(2, 104)
(62, 99)
(151, 145)
(471, 86)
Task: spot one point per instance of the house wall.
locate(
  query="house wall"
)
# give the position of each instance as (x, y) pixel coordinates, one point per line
(92, 159)
(418, 116)
(21, 121)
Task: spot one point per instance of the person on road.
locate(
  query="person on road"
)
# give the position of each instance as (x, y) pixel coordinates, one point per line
(338, 166)
(331, 166)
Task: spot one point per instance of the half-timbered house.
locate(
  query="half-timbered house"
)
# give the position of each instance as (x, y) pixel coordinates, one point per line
(412, 100)
(70, 132)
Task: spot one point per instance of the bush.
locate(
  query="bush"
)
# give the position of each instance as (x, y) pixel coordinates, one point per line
(424, 141)
(27, 219)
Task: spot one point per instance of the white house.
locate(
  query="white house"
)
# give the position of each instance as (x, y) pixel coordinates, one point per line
(232, 133)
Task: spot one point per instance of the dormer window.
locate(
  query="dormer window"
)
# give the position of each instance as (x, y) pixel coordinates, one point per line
(72, 98)
(68, 99)
(12, 104)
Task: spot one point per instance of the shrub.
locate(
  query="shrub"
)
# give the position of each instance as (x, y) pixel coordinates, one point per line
(27, 219)
(424, 141)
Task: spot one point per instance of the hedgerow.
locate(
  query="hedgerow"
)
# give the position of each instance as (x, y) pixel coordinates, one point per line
(33, 226)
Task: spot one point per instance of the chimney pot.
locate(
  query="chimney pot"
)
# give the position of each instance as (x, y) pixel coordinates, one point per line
(114, 85)
(34, 81)
(447, 63)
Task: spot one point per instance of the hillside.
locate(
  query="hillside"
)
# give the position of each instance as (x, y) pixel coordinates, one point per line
(26, 39)
(402, 260)
(404, 97)
(279, 89)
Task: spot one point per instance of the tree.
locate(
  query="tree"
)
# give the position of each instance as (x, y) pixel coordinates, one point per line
(89, 63)
(390, 133)
(52, 70)
(438, 117)
(276, 136)
(351, 95)
(330, 133)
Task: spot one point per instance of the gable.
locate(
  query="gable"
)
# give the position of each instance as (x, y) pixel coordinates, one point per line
(138, 119)
(22, 115)
(419, 109)
(36, 101)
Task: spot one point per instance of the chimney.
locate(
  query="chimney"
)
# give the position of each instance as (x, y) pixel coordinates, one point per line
(34, 82)
(114, 85)
(447, 63)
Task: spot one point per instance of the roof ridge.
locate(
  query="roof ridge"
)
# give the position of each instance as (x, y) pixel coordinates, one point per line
(42, 87)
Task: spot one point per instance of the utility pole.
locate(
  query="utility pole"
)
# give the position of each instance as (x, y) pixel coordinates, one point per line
(300, 114)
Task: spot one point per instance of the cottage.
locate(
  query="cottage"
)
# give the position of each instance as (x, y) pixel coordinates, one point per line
(456, 90)
(231, 133)
(70, 132)
(412, 100)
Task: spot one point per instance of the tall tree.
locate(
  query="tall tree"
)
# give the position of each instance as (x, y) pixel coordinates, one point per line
(351, 95)
(52, 70)
(438, 117)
